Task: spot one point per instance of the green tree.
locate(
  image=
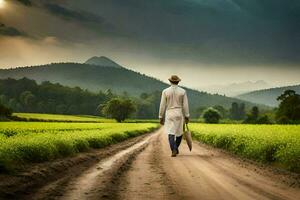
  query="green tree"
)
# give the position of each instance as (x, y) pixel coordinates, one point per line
(41, 107)
(3, 99)
(72, 109)
(144, 96)
(234, 111)
(253, 116)
(221, 110)
(242, 111)
(145, 110)
(61, 109)
(12, 103)
(4, 111)
(109, 93)
(289, 107)
(148, 105)
(237, 112)
(28, 100)
(255, 112)
(119, 109)
(211, 116)
(200, 111)
(263, 120)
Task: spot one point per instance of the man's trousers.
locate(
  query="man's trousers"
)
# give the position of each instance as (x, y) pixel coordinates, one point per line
(174, 142)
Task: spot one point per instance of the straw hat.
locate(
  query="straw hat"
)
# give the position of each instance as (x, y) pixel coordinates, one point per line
(174, 78)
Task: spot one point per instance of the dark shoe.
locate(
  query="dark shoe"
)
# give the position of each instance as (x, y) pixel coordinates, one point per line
(174, 153)
(177, 151)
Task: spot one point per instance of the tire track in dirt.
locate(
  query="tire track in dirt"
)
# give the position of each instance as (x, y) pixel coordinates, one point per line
(146, 178)
(97, 182)
(88, 184)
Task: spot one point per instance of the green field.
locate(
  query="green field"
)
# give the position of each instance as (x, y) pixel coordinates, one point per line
(74, 118)
(278, 144)
(64, 118)
(27, 142)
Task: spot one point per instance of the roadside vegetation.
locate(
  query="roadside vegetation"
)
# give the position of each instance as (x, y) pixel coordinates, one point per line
(276, 144)
(41, 117)
(32, 142)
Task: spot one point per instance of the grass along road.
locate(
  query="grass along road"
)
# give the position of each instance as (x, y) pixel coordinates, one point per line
(275, 144)
(31, 142)
(62, 118)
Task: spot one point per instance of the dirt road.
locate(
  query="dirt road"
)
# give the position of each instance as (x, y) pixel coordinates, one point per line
(143, 169)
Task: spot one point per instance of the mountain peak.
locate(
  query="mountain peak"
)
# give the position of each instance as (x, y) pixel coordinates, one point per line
(261, 82)
(102, 61)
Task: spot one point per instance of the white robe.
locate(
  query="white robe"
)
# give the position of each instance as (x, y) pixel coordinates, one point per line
(173, 108)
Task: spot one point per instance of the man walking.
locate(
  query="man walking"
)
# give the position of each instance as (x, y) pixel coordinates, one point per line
(174, 112)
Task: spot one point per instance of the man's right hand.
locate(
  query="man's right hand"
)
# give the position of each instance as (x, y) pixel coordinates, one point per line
(162, 121)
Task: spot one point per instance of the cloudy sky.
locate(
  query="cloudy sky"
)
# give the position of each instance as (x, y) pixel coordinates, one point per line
(206, 42)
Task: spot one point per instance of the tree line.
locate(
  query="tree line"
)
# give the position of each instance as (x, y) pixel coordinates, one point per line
(288, 112)
(25, 95)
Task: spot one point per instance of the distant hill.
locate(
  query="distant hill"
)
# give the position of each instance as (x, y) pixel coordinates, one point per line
(86, 76)
(118, 79)
(102, 61)
(267, 96)
(234, 89)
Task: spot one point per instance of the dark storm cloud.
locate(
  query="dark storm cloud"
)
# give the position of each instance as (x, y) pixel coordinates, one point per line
(271, 9)
(62, 11)
(25, 2)
(222, 32)
(70, 14)
(10, 31)
(218, 31)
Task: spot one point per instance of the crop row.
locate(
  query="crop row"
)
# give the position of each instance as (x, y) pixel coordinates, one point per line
(278, 144)
(40, 117)
(22, 143)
